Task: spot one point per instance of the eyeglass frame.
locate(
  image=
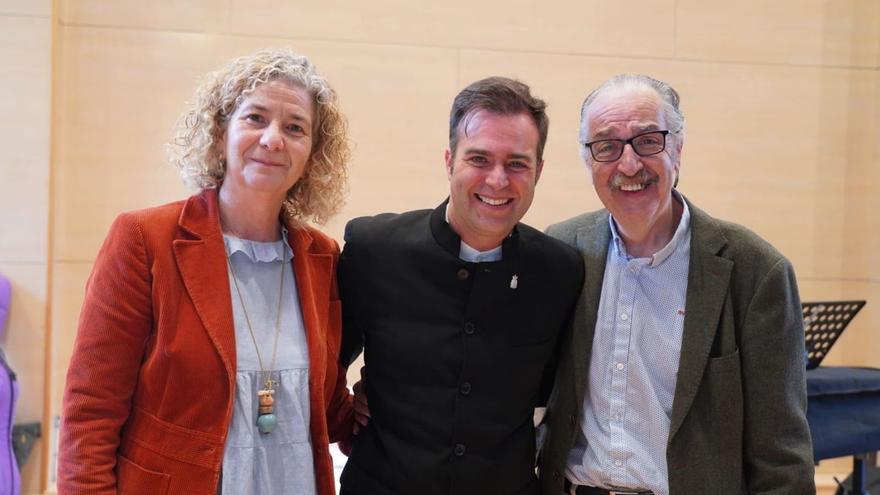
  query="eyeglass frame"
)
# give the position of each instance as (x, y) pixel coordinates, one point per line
(629, 142)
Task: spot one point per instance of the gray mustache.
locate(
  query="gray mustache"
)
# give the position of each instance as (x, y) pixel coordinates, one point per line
(644, 176)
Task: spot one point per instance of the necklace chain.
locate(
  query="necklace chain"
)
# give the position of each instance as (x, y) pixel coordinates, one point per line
(263, 371)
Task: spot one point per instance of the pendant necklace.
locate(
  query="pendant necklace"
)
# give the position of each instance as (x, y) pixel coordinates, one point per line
(266, 420)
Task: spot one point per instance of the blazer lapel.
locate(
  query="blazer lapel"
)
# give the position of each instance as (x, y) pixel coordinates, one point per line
(708, 280)
(592, 241)
(201, 260)
(314, 274)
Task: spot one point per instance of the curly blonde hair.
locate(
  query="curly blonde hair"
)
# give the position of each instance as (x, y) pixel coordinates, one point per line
(320, 192)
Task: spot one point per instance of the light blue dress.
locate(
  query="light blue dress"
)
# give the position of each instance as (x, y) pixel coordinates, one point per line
(281, 461)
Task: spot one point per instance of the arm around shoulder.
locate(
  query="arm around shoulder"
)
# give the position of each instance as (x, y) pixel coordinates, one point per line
(340, 414)
(350, 292)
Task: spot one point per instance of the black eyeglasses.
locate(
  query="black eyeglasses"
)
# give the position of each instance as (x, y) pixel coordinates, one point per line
(644, 144)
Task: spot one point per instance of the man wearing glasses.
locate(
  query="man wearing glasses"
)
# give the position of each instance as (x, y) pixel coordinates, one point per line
(684, 373)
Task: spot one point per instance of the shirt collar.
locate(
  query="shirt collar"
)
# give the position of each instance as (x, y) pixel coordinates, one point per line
(265, 252)
(684, 226)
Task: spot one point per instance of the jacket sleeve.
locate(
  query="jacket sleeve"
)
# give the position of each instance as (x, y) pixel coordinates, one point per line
(114, 327)
(574, 273)
(352, 332)
(777, 448)
(340, 414)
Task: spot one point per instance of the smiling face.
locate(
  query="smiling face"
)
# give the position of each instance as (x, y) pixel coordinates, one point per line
(492, 176)
(637, 190)
(268, 141)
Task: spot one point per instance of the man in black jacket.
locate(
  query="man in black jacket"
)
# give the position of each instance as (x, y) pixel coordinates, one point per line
(459, 310)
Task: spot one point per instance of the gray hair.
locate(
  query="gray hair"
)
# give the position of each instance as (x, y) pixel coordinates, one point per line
(669, 96)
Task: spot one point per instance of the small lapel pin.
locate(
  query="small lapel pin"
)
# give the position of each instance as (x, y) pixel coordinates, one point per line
(513, 281)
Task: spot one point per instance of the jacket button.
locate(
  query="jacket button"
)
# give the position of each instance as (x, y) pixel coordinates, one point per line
(465, 388)
(462, 274)
(469, 328)
(556, 475)
(573, 420)
(459, 450)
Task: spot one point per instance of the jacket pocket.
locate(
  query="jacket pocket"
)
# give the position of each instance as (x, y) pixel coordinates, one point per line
(132, 478)
(724, 364)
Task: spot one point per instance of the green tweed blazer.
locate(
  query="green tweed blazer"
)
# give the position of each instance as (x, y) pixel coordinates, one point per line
(738, 422)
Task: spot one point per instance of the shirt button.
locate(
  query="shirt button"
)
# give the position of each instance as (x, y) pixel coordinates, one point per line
(469, 328)
(620, 366)
(462, 274)
(624, 316)
(618, 462)
(465, 388)
(459, 450)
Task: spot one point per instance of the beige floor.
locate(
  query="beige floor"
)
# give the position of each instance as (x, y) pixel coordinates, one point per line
(825, 484)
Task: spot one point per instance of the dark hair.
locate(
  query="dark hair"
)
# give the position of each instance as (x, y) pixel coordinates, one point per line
(502, 96)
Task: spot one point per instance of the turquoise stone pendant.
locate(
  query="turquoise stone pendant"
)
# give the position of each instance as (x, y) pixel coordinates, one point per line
(266, 423)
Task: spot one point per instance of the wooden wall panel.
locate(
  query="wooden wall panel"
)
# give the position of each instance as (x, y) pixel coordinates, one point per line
(590, 26)
(68, 290)
(803, 32)
(25, 78)
(40, 8)
(120, 94)
(24, 168)
(771, 161)
(192, 15)
(872, 228)
(861, 180)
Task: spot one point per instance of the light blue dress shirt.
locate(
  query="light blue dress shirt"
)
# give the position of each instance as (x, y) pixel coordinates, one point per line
(633, 367)
(281, 461)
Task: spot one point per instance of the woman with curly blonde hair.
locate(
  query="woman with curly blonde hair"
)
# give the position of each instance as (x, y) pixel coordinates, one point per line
(206, 359)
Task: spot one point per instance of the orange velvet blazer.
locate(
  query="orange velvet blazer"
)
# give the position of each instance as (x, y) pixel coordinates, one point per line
(149, 390)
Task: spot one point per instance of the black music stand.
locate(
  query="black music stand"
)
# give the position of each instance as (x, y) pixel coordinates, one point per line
(823, 324)
(839, 396)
